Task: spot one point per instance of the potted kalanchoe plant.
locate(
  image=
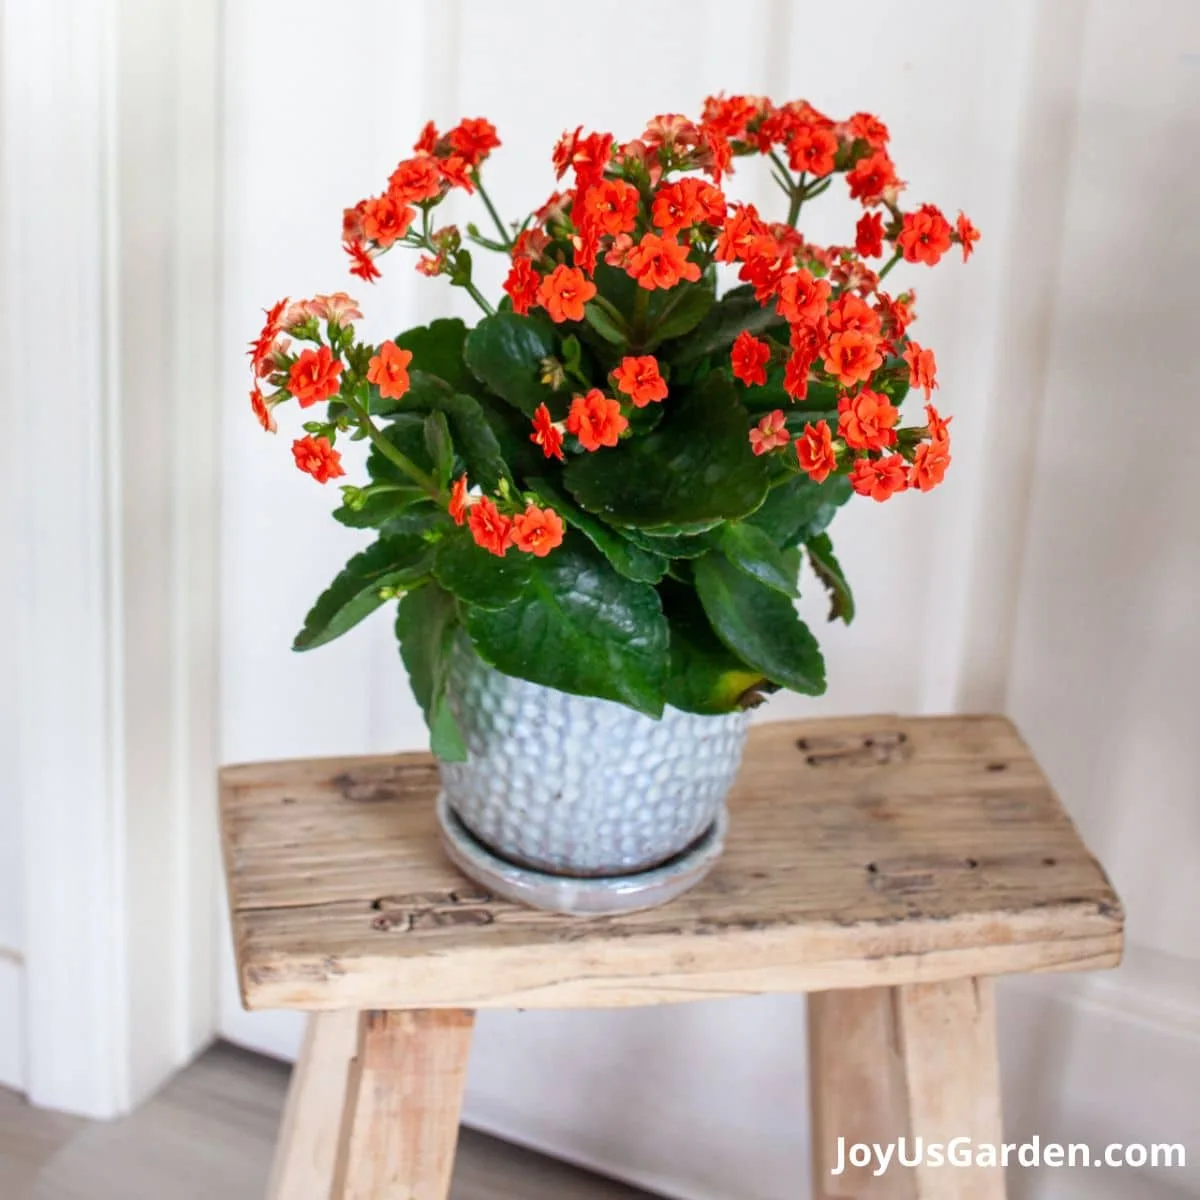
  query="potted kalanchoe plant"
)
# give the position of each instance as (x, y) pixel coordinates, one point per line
(593, 506)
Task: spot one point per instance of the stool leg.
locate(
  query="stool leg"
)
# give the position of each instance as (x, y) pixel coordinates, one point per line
(308, 1134)
(917, 1061)
(400, 1123)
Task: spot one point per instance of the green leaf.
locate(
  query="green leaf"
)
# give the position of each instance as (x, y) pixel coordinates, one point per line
(580, 627)
(705, 675)
(687, 308)
(748, 547)
(735, 311)
(695, 470)
(798, 508)
(426, 625)
(672, 545)
(440, 446)
(505, 352)
(437, 349)
(406, 431)
(380, 507)
(760, 625)
(391, 562)
(477, 444)
(634, 562)
(605, 326)
(478, 576)
(829, 572)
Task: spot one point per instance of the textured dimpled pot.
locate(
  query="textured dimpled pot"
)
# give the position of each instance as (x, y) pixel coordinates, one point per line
(579, 804)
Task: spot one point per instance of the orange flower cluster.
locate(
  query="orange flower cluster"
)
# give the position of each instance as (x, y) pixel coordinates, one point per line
(534, 530)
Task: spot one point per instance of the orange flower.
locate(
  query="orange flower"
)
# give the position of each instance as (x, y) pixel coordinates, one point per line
(545, 434)
(489, 527)
(564, 292)
(474, 138)
(939, 427)
(456, 171)
(657, 262)
(587, 244)
(617, 255)
(522, 285)
(596, 420)
(922, 368)
(318, 458)
(814, 449)
(741, 229)
(765, 264)
(338, 309)
(968, 235)
(612, 205)
(385, 221)
(852, 357)
(850, 312)
(389, 370)
(352, 222)
(640, 379)
(801, 297)
(749, 357)
(537, 531)
(929, 465)
(867, 421)
(262, 349)
(427, 142)
(314, 376)
(868, 235)
(869, 129)
(588, 155)
(870, 177)
(769, 433)
(812, 149)
(363, 265)
(458, 500)
(261, 410)
(690, 201)
(414, 180)
(880, 478)
(795, 375)
(925, 236)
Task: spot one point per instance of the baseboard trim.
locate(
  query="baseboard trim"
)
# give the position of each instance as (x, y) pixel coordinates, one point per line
(12, 1021)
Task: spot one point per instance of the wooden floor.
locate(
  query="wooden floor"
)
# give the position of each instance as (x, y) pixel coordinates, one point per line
(210, 1134)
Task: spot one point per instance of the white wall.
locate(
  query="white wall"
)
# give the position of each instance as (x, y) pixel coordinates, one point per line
(1042, 123)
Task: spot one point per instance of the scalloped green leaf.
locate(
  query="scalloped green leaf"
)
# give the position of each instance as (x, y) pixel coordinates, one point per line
(478, 576)
(748, 547)
(426, 625)
(505, 352)
(829, 571)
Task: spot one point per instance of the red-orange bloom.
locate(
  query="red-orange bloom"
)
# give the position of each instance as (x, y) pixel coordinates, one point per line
(640, 379)
(880, 478)
(795, 375)
(852, 357)
(929, 465)
(766, 263)
(537, 531)
(522, 285)
(314, 376)
(388, 370)
(690, 201)
(588, 155)
(596, 420)
(362, 264)
(812, 149)
(564, 292)
(489, 527)
(868, 235)
(262, 349)
(458, 500)
(456, 171)
(414, 180)
(939, 427)
(737, 237)
(352, 222)
(867, 421)
(851, 312)
(864, 127)
(612, 205)
(925, 236)
(427, 142)
(870, 177)
(968, 235)
(545, 434)
(317, 457)
(814, 450)
(749, 357)
(385, 221)
(802, 298)
(922, 368)
(261, 410)
(474, 138)
(769, 433)
(657, 262)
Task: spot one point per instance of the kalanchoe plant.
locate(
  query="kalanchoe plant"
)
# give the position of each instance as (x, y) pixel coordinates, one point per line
(610, 481)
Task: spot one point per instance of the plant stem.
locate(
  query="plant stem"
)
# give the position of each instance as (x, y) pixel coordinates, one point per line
(390, 452)
(505, 236)
(641, 306)
(612, 312)
(478, 297)
(890, 264)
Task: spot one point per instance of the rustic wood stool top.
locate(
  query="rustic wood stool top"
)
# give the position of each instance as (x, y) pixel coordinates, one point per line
(863, 852)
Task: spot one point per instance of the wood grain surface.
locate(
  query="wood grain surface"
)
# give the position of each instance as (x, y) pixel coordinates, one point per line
(863, 851)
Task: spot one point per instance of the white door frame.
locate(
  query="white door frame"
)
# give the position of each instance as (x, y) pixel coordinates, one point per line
(110, 224)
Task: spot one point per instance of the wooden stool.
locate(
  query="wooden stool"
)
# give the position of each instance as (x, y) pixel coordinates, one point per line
(887, 865)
